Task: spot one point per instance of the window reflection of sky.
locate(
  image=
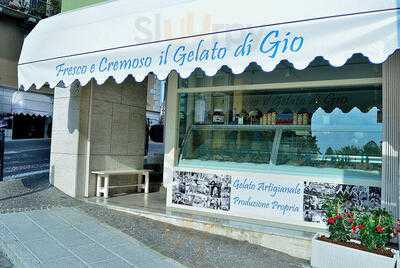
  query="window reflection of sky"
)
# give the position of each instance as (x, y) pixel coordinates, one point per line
(338, 129)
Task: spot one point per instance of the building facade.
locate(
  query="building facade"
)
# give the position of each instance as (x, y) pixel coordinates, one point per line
(24, 115)
(267, 115)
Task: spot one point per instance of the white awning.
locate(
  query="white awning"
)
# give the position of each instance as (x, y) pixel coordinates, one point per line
(124, 37)
(31, 104)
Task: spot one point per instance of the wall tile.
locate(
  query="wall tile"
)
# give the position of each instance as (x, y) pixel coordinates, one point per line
(109, 91)
(63, 168)
(103, 108)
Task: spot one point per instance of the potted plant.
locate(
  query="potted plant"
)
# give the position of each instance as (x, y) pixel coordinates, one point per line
(356, 238)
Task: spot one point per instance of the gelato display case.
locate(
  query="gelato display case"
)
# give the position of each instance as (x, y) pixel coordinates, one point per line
(328, 132)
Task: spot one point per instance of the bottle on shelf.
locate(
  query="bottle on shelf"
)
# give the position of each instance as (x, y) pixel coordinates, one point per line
(305, 119)
(299, 119)
(273, 118)
(269, 118)
(295, 119)
(242, 117)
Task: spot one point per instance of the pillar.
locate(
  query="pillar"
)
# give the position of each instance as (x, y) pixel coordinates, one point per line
(171, 131)
(391, 134)
(47, 125)
(96, 127)
(65, 153)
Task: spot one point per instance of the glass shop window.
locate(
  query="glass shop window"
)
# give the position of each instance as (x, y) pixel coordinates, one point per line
(336, 131)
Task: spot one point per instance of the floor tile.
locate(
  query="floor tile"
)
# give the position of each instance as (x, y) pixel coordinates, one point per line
(109, 238)
(47, 249)
(71, 237)
(21, 253)
(13, 218)
(28, 232)
(136, 255)
(6, 236)
(47, 221)
(93, 253)
(112, 263)
(71, 262)
(93, 229)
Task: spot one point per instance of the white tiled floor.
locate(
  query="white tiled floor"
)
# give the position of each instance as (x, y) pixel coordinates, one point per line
(67, 237)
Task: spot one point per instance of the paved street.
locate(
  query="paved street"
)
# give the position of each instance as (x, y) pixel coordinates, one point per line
(67, 237)
(26, 158)
(49, 217)
(188, 247)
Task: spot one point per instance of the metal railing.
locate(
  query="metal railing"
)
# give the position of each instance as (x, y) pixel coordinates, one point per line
(34, 8)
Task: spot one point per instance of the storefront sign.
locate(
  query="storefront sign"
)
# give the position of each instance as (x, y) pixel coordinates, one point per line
(110, 48)
(273, 44)
(265, 197)
(270, 198)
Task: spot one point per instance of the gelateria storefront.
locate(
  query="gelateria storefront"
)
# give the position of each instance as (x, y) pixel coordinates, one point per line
(252, 146)
(270, 110)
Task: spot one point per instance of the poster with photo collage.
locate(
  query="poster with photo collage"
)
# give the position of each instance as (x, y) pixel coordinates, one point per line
(202, 190)
(315, 194)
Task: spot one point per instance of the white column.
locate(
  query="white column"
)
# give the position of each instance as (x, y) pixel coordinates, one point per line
(171, 129)
(391, 134)
(65, 139)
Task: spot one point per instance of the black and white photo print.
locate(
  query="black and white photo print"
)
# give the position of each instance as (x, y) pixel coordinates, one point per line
(359, 197)
(202, 190)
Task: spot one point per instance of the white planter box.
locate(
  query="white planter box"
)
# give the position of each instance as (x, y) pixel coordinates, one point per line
(329, 255)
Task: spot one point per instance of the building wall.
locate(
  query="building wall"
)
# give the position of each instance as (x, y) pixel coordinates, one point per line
(118, 128)
(12, 38)
(96, 127)
(27, 103)
(12, 35)
(74, 4)
(154, 94)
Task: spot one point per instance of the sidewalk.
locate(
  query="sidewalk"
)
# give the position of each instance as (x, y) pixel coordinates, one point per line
(67, 237)
(188, 247)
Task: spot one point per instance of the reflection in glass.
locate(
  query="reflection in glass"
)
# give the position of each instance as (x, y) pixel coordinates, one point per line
(329, 129)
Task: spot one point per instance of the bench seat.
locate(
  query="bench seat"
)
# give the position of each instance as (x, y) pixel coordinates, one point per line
(103, 180)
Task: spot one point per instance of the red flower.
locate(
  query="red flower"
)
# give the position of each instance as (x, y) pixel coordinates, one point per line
(354, 229)
(379, 229)
(338, 216)
(331, 220)
(361, 226)
(350, 220)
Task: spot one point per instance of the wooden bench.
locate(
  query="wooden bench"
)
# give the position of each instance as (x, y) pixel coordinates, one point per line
(103, 180)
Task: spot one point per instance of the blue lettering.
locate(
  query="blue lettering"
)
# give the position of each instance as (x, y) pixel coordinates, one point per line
(179, 56)
(183, 55)
(63, 70)
(245, 48)
(272, 44)
(60, 68)
(297, 44)
(245, 185)
(118, 65)
(135, 63)
(147, 62)
(103, 64)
